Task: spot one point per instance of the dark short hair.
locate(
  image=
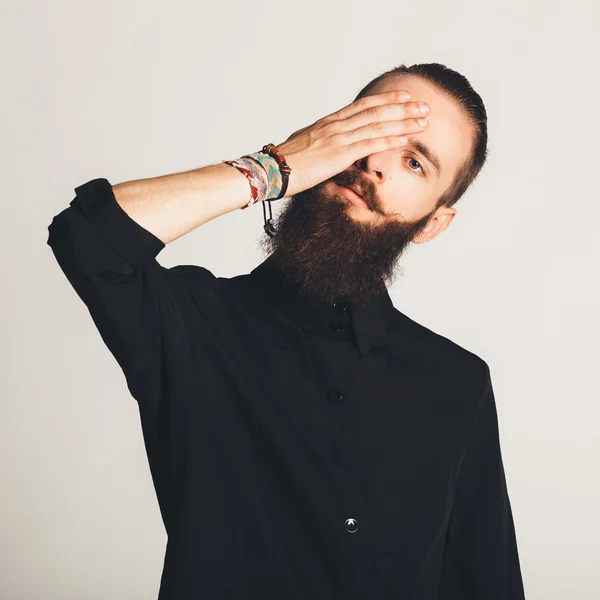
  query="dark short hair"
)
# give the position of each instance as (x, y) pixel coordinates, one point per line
(458, 88)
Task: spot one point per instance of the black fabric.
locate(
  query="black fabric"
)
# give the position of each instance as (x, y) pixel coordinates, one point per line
(297, 451)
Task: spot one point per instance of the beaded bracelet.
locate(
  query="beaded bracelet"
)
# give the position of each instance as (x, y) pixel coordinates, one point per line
(284, 168)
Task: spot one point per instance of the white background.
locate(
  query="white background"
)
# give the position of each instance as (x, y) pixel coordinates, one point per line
(126, 90)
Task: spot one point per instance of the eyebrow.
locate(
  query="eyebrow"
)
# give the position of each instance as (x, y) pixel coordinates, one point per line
(427, 152)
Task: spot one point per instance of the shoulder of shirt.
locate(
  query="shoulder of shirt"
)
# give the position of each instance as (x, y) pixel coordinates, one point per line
(197, 280)
(437, 348)
(193, 273)
(201, 282)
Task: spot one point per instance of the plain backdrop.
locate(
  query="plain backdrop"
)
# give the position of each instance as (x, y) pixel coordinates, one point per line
(129, 89)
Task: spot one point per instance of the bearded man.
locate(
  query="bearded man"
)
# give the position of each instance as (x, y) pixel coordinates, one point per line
(306, 438)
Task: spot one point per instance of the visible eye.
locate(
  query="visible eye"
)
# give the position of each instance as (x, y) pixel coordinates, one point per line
(411, 159)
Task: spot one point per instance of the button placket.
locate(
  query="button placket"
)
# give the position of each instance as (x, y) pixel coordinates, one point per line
(337, 325)
(341, 317)
(334, 395)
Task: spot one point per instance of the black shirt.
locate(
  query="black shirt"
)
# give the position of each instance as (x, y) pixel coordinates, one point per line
(298, 451)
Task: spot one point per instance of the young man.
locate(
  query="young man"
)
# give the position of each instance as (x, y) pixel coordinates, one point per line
(307, 439)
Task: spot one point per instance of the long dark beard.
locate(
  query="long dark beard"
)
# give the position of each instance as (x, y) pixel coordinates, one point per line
(327, 256)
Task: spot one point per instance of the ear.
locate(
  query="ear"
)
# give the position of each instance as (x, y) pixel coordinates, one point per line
(438, 222)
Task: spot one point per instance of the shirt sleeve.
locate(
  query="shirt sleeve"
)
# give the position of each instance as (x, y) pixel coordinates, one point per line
(135, 303)
(482, 551)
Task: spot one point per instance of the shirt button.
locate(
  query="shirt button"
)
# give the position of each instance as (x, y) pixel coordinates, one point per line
(334, 395)
(340, 307)
(351, 525)
(336, 326)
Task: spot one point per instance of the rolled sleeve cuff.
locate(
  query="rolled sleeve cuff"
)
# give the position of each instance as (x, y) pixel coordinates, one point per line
(96, 201)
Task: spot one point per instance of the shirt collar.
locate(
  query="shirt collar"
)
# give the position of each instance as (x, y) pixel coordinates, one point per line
(369, 322)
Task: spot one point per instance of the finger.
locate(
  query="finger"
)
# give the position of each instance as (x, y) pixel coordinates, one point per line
(368, 146)
(376, 116)
(385, 129)
(366, 102)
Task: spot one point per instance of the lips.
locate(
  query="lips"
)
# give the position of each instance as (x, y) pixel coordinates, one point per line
(358, 191)
(354, 197)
